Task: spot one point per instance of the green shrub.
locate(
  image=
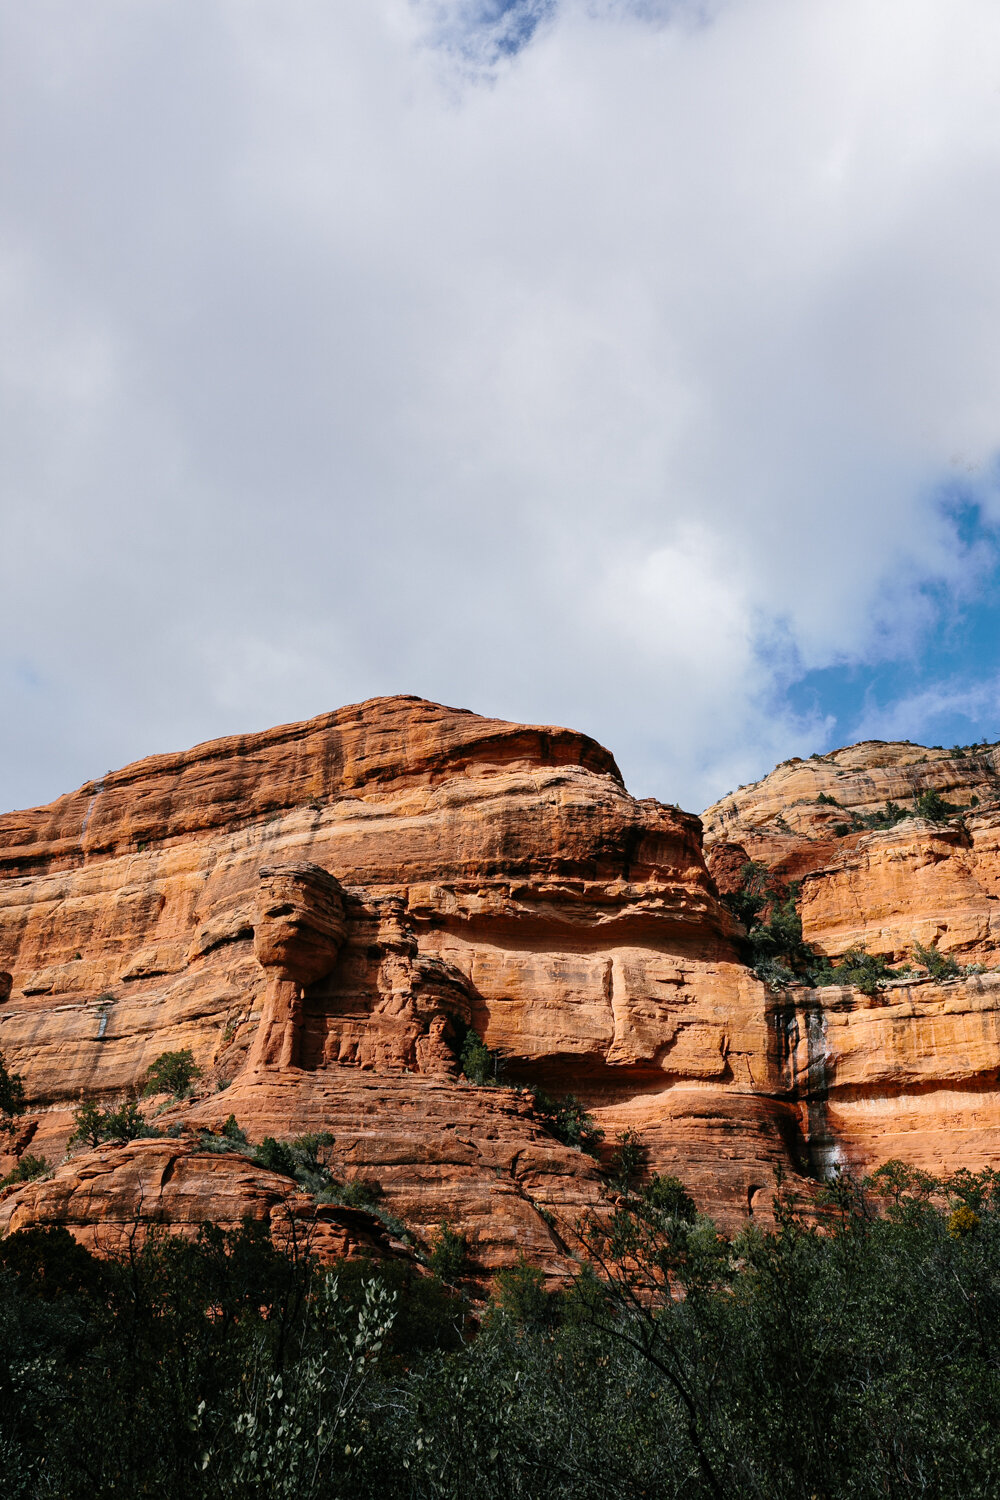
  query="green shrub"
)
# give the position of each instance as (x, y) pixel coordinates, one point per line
(627, 1160)
(88, 1125)
(172, 1073)
(27, 1168)
(360, 1192)
(126, 1123)
(519, 1294)
(232, 1132)
(478, 1063)
(275, 1156)
(938, 965)
(859, 969)
(568, 1121)
(11, 1097)
(306, 1149)
(668, 1196)
(47, 1263)
(448, 1254)
(753, 894)
(931, 805)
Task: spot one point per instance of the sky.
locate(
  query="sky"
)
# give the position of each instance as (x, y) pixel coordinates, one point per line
(626, 364)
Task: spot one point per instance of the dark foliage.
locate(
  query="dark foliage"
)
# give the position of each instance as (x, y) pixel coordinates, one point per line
(172, 1073)
(478, 1063)
(28, 1167)
(852, 1363)
(568, 1121)
(125, 1122)
(11, 1098)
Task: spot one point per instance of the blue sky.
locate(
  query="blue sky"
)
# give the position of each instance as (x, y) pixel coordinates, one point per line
(628, 364)
(941, 684)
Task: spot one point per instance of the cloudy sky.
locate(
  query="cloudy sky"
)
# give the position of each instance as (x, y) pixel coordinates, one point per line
(628, 364)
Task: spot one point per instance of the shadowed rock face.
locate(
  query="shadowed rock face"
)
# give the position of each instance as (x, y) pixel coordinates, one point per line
(321, 911)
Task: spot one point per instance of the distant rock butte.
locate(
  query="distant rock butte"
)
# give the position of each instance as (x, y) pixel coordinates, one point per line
(319, 912)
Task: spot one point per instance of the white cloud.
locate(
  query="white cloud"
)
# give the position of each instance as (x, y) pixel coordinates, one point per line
(607, 383)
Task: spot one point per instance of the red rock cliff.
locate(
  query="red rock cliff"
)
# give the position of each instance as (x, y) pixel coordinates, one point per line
(319, 911)
(913, 1071)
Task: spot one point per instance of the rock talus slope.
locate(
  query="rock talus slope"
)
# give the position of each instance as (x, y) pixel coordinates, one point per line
(321, 911)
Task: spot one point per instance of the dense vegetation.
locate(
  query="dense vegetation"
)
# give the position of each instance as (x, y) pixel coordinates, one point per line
(860, 1361)
(778, 954)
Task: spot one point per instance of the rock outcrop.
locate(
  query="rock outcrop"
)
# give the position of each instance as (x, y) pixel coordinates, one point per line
(322, 912)
(911, 1072)
(882, 887)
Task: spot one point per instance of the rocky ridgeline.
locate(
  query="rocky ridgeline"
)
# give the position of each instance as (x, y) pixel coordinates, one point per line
(322, 913)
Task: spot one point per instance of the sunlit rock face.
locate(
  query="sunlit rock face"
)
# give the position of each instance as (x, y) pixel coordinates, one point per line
(299, 930)
(321, 912)
(299, 922)
(913, 1071)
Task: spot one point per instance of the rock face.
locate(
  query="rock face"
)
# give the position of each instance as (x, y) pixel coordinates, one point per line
(321, 912)
(882, 887)
(912, 1072)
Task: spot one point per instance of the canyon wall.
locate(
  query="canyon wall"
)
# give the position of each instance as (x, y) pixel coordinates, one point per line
(321, 912)
(914, 1070)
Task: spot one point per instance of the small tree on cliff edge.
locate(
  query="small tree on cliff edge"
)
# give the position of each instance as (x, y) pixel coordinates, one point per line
(11, 1097)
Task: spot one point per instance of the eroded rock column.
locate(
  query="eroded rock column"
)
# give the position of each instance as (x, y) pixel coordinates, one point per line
(299, 930)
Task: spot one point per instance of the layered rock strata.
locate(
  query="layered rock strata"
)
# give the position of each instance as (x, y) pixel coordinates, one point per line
(911, 1072)
(320, 913)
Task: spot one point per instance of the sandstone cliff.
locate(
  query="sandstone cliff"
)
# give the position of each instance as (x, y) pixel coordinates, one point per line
(912, 1071)
(321, 911)
(318, 912)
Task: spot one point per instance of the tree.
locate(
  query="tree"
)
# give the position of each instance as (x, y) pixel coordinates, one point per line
(479, 1064)
(172, 1073)
(448, 1254)
(88, 1125)
(11, 1097)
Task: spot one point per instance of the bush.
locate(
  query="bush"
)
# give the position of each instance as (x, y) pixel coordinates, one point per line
(306, 1149)
(92, 1125)
(519, 1294)
(478, 1063)
(232, 1132)
(754, 893)
(172, 1073)
(28, 1167)
(938, 965)
(275, 1156)
(47, 1262)
(448, 1254)
(88, 1125)
(360, 1192)
(627, 1160)
(568, 1121)
(11, 1097)
(931, 805)
(859, 969)
(126, 1123)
